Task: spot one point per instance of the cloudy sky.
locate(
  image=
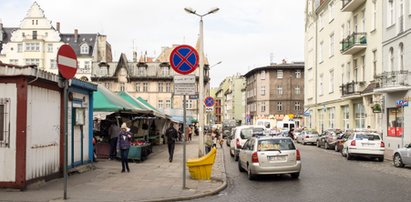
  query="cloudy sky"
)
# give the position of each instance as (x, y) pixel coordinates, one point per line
(244, 34)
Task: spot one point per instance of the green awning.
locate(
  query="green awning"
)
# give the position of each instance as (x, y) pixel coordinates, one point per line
(131, 100)
(146, 104)
(106, 101)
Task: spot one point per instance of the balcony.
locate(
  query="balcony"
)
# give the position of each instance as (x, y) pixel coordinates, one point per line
(354, 43)
(351, 5)
(351, 88)
(394, 81)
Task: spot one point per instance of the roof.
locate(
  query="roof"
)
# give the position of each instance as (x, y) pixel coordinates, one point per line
(27, 70)
(370, 88)
(89, 39)
(295, 65)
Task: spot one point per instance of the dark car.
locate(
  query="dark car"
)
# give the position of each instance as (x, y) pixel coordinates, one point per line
(329, 138)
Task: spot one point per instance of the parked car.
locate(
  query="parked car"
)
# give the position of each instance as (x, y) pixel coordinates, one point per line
(230, 136)
(367, 144)
(297, 132)
(402, 156)
(269, 155)
(329, 138)
(308, 136)
(241, 135)
(340, 142)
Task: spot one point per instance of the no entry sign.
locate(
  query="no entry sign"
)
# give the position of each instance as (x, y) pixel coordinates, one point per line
(67, 61)
(184, 59)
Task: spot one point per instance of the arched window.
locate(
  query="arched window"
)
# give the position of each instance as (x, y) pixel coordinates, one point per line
(84, 49)
(391, 59)
(401, 57)
(84, 78)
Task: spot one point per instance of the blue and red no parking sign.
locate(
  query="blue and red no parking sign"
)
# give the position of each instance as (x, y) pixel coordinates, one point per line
(184, 59)
(209, 101)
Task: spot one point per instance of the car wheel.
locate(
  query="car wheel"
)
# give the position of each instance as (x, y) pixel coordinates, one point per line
(336, 148)
(231, 153)
(251, 176)
(349, 157)
(236, 158)
(304, 143)
(318, 143)
(295, 175)
(398, 161)
(381, 159)
(342, 152)
(241, 169)
(326, 146)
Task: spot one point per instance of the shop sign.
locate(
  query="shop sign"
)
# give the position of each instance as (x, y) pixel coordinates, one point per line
(401, 103)
(395, 131)
(376, 108)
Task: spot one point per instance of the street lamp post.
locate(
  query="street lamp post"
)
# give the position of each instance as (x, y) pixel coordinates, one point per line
(201, 80)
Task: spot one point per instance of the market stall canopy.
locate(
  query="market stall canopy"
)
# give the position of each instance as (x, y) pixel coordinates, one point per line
(141, 104)
(179, 119)
(107, 101)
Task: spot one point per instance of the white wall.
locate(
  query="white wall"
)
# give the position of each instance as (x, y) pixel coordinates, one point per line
(8, 155)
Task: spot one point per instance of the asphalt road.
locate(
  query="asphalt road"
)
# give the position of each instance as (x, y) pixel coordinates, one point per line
(325, 176)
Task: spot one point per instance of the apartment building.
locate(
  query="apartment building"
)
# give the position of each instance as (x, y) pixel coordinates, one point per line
(343, 59)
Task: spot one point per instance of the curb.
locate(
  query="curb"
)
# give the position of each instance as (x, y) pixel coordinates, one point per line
(216, 191)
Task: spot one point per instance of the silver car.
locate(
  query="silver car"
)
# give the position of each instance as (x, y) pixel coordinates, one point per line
(306, 137)
(402, 156)
(269, 155)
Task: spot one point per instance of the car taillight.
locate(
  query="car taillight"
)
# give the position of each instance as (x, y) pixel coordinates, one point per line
(382, 144)
(237, 142)
(353, 143)
(298, 156)
(254, 157)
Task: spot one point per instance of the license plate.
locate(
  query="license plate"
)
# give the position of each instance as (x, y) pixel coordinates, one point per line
(276, 158)
(368, 144)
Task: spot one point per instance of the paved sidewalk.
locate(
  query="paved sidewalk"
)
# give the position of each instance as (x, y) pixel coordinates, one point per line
(154, 179)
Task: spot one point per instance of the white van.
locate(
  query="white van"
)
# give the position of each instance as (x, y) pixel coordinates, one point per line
(286, 125)
(241, 135)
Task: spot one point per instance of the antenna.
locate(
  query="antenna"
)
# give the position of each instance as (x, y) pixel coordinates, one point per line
(271, 58)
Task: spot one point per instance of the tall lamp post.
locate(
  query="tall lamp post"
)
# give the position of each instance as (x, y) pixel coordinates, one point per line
(201, 80)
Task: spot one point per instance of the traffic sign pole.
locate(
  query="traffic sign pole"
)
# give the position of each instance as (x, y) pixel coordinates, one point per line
(66, 84)
(184, 141)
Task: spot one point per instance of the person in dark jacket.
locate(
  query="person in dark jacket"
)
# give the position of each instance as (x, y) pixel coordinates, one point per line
(171, 134)
(123, 144)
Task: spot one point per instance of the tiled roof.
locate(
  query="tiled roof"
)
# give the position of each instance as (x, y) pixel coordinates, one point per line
(89, 39)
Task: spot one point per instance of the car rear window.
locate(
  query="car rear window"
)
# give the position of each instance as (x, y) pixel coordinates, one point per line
(250, 132)
(275, 144)
(367, 137)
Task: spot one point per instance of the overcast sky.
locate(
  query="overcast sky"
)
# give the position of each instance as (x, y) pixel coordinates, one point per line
(243, 34)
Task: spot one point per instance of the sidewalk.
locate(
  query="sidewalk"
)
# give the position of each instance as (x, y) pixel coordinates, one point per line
(154, 179)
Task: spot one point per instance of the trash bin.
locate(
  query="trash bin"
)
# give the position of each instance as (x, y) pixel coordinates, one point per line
(200, 169)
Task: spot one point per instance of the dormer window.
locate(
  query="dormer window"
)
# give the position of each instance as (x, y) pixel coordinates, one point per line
(84, 49)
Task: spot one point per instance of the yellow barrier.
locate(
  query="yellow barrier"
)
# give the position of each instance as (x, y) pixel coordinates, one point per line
(200, 169)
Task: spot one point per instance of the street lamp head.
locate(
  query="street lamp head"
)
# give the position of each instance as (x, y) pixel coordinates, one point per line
(190, 10)
(213, 10)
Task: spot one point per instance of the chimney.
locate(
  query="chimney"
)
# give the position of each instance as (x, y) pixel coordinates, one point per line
(58, 26)
(284, 61)
(75, 35)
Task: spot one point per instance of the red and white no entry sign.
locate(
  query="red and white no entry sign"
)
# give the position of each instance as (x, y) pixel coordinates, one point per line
(67, 61)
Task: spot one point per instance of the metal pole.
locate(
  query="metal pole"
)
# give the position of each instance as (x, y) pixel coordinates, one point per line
(184, 141)
(66, 83)
(201, 94)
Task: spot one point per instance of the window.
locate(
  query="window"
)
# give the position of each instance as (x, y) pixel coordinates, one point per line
(395, 125)
(342, 32)
(310, 73)
(165, 71)
(331, 83)
(122, 87)
(374, 15)
(14, 61)
(87, 65)
(321, 21)
(168, 104)
(401, 16)
(321, 118)
(279, 74)
(33, 61)
(32, 47)
(348, 70)
(168, 88)
(160, 104)
(346, 117)
(263, 107)
(297, 106)
(355, 63)
(320, 54)
(355, 21)
(401, 57)
(363, 21)
(279, 106)
(107, 85)
(331, 115)
(262, 75)
(84, 49)
(19, 48)
(297, 90)
(34, 35)
(160, 87)
(279, 90)
(138, 87)
(391, 59)
(331, 45)
(390, 13)
(53, 64)
(348, 27)
(4, 122)
(298, 74)
(262, 90)
(189, 104)
(321, 90)
(359, 115)
(50, 48)
(141, 71)
(362, 68)
(343, 73)
(331, 11)
(374, 62)
(145, 87)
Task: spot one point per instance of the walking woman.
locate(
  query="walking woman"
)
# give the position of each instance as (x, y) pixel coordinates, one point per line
(123, 144)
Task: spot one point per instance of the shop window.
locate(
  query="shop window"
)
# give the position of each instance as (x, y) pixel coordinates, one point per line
(395, 122)
(4, 122)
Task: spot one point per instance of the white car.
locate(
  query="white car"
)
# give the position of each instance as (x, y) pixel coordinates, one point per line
(306, 137)
(366, 144)
(241, 135)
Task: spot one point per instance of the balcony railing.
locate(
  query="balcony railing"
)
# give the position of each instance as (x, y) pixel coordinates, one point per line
(353, 43)
(395, 79)
(350, 88)
(351, 5)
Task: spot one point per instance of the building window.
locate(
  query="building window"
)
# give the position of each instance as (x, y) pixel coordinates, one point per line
(348, 70)
(390, 13)
(297, 106)
(298, 74)
(279, 106)
(342, 32)
(374, 62)
(123, 87)
(165, 71)
(87, 65)
(395, 125)
(262, 106)
(346, 117)
(331, 11)
(355, 63)
(168, 87)
(14, 61)
(50, 48)
(391, 59)
(331, 83)
(363, 21)
(107, 85)
(279, 90)
(262, 75)
(362, 72)
(189, 104)
(320, 81)
(343, 73)
(262, 90)
(19, 48)
(321, 118)
(331, 115)
(332, 45)
(168, 104)
(160, 104)
(321, 21)
(145, 87)
(374, 15)
(138, 87)
(160, 87)
(297, 90)
(53, 64)
(32, 47)
(320, 52)
(279, 74)
(359, 116)
(84, 49)
(401, 56)
(33, 61)
(4, 122)
(34, 35)
(310, 74)
(141, 71)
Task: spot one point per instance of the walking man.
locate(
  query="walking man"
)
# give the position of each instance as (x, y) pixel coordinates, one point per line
(123, 144)
(171, 134)
(113, 132)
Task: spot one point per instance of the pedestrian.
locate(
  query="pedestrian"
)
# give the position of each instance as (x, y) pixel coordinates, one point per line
(171, 134)
(113, 132)
(208, 141)
(290, 134)
(123, 144)
(188, 134)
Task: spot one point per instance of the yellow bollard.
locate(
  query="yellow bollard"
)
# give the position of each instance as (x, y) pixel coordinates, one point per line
(200, 169)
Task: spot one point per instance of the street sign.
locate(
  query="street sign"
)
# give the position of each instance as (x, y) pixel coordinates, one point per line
(184, 59)
(401, 103)
(67, 61)
(191, 79)
(209, 101)
(184, 85)
(193, 97)
(209, 109)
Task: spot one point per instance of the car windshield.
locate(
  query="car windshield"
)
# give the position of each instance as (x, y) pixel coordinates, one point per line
(275, 144)
(313, 132)
(367, 137)
(249, 132)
